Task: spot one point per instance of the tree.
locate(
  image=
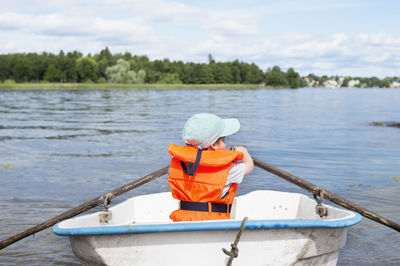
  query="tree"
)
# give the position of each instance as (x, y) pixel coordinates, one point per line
(140, 62)
(211, 59)
(71, 61)
(21, 68)
(293, 78)
(127, 56)
(52, 74)
(73, 67)
(39, 64)
(66, 66)
(222, 73)
(104, 60)
(201, 73)
(121, 73)
(275, 77)
(210, 79)
(178, 67)
(4, 66)
(235, 67)
(87, 69)
(170, 78)
(105, 54)
(254, 75)
(162, 66)
(189, 75)
(102, 65)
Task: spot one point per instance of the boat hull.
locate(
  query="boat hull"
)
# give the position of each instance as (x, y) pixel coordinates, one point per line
(283, 246)
(282, 229)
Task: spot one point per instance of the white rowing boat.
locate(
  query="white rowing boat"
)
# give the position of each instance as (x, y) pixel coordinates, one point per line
(282, 229)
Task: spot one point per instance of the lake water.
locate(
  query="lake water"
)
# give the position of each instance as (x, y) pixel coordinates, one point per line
(59, 148)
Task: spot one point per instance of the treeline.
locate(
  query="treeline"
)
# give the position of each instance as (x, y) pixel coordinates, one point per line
(104, 67)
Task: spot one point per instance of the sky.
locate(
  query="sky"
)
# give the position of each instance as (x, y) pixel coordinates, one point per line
(325, 37)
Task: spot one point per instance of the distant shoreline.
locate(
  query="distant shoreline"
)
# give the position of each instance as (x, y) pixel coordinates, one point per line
(54, 86)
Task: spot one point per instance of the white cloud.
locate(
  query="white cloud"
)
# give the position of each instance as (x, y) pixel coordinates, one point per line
(231, 25)
(313, 48)
(339, 54)
(161, 11)
(295, 37)
(378, 39)
(184, 31)
(309, 6)
(61, 25)
(81, 33)
(12, 21)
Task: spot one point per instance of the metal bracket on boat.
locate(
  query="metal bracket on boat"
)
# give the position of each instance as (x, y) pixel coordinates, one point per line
(106, 216)
(320, 209)
(234, 253)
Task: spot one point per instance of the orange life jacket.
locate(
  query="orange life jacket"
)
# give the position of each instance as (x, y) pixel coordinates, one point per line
(203, 188)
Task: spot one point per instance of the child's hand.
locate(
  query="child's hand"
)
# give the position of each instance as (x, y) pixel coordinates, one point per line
(246, 159)
(241, 149)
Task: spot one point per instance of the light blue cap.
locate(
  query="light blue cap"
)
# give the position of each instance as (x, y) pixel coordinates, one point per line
(204, 129)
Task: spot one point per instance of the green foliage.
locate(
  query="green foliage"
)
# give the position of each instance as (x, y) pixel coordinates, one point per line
(293, 78)
(87, 69)
(52, 74)
(211, 59)
(74, 67)
(4, 67)
(117, 72)
(253, 75)
(189, 74)
(101, 80)
(121, 73)
(276, 78)
(140, 62)
(170, 78)
(236, 74)
(21, 68)
(9, 81)
(222, 73)
(139, 78)
(104, 60)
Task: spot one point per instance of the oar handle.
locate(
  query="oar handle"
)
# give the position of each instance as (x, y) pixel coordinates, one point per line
(84, 207)
(316, 190)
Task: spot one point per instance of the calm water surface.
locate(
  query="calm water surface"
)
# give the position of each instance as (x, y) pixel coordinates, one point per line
(61, 148)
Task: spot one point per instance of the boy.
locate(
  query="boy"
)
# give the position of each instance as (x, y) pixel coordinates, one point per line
(204, 175)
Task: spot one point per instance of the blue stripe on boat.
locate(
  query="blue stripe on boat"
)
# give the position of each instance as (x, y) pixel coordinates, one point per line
(205, 226)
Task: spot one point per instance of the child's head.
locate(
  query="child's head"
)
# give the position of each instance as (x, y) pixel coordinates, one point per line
(208, 131)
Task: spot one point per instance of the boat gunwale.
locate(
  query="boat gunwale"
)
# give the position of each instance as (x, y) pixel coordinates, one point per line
(206, 226)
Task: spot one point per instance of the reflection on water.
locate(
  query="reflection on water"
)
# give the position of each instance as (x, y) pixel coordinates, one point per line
(61, 148)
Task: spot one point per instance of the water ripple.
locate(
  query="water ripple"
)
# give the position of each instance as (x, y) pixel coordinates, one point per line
(68, 146)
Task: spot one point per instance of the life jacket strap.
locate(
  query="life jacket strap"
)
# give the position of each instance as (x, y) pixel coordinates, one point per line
(204, 206)
(192, 167)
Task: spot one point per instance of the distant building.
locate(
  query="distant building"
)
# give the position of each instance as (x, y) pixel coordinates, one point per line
(331, 83)
(340, 81)
(394, 84)
(310, 83)
(353, 83)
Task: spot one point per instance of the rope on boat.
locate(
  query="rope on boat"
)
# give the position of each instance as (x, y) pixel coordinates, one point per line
(107, 200)
(234, 253)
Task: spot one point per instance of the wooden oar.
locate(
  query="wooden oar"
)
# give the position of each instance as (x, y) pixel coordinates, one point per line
(326, 194)
(84, 207)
